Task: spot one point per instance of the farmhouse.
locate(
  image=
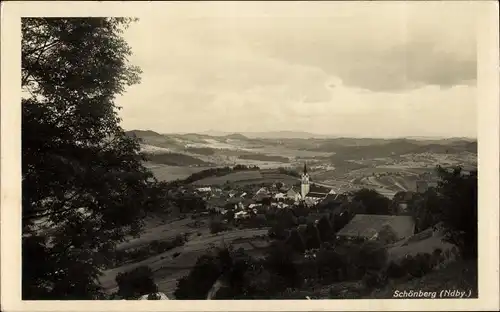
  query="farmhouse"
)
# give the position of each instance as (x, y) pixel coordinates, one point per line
(365, 227)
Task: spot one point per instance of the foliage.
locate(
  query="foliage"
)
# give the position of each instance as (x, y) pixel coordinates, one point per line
(202, 276)
(372, 256)
(395, 270)
(154, 248)
(416, 266)
(311, 237)
(279, 261)
(459, 208)
(217, 226)
(387, 235)
(374, 202)
(375, 279)
(135, 283)
(296, 242)
(324, 229)
(81, 174)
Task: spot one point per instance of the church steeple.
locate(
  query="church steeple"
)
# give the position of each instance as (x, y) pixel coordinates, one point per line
(304, 185)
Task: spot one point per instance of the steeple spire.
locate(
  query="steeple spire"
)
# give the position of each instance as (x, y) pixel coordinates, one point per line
(305, 168)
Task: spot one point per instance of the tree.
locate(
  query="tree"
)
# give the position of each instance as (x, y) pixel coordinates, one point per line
(387, 235)
(296, 242)
(312, 238)
(374, 202)
(217, 226)
(279, 261)
(135, 283)
(426, 209)
(324, 228)
(198, 283)
(458, 191)
(81, 174)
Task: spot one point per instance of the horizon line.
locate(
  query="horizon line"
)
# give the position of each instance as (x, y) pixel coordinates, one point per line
(314, 135)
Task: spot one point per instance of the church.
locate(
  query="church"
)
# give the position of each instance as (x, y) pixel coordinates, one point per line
(312, 193)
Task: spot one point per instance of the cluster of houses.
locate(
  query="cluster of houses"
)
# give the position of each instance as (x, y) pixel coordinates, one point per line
(245, 201)
(248, 199)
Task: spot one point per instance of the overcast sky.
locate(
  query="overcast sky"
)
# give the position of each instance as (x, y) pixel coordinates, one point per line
(353, 68)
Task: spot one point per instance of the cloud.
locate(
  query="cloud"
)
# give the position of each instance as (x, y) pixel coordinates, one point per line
(317, 66)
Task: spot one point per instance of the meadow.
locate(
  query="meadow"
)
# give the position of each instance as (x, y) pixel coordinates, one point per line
(247, 178)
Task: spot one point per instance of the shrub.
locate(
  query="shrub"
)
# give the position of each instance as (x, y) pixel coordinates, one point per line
(372, 256)
(422, 264)
(200, 279)
(296, 242)
(374, 279)
(136, 283)
(395, 270)
(217, 226)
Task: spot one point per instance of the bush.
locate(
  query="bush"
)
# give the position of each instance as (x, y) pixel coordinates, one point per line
(197, 284)
(296, 242)
(395, 270)
(136, 283)
(419, 265)
(217, 226)
(372, 256)
(374, 279)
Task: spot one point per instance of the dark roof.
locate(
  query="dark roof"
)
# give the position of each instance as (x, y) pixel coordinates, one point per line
(312, 194)
(367, 226)
(319, 189)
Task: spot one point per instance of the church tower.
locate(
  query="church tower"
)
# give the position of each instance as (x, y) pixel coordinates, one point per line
(304, 186)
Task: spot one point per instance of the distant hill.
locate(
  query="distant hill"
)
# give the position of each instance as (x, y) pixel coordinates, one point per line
(394, 148)
(270, 135)
(236, 136)
(175, 159)
(143, 133)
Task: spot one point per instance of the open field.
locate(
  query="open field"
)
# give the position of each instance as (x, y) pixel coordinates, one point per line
(171, 173)
(247, 177)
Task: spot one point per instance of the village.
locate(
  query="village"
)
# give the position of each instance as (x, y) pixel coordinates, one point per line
(248, 200)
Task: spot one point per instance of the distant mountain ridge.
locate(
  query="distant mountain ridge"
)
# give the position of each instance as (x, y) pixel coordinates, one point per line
(288, 134)
(285, 134)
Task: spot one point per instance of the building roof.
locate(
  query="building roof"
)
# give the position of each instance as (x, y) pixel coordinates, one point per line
(316, 195)
(319, 189)
(366, 226)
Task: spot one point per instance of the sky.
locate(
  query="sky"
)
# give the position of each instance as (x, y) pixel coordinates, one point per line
(369, 69)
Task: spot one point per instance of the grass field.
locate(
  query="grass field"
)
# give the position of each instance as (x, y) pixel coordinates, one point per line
(171, 173)
(247, 177)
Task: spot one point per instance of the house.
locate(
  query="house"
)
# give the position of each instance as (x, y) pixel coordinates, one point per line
(251, 206)
(204, 189)
(279, 196)
(262, 191)
(241, 215)
(365, 227)
(293, 194)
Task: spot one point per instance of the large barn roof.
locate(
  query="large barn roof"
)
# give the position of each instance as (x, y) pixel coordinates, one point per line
(366, 226)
